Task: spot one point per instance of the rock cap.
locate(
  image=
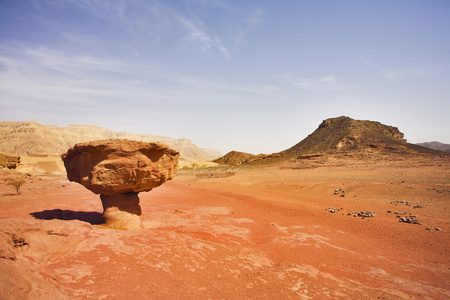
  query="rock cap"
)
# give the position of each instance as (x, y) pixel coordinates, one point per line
(110, 167)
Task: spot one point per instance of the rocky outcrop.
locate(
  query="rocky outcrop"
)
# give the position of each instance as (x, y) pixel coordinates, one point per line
(344, 134)
(31, 138)
(9, 161)
(118, 170)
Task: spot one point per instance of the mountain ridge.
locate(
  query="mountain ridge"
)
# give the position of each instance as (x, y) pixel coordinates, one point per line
(436, 146)
(32, 138)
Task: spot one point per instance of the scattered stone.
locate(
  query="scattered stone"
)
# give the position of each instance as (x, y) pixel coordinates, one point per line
(438, 190)
(410, 220)
(437, 229)
(428, 228)
(362, 214)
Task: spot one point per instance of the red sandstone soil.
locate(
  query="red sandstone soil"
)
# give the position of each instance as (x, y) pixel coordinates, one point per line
(260, 234)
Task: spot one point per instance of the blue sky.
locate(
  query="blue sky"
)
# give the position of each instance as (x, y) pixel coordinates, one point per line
(253, 76)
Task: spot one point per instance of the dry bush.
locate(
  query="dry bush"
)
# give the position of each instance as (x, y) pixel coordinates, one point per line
(16, 183)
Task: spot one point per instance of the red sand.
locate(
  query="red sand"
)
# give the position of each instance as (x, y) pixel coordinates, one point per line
(260, 234)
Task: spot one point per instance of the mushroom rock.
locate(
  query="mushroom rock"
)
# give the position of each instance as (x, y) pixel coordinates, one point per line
(118, 170)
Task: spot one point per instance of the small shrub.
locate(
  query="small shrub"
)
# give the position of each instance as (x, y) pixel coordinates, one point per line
(16, 183)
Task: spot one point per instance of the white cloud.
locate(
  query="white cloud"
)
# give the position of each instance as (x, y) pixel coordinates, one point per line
(403, 73)
(251, 20)
(145, 21)
(328, 82)
(196, 33)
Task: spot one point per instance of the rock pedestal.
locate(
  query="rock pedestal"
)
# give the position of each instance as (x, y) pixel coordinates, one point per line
(118, 170)
(122, 211)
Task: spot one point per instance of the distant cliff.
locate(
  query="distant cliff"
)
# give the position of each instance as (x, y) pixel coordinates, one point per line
(31, 138)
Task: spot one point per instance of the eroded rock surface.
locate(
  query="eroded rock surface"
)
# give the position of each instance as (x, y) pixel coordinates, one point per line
(118, 170)
(9, 161)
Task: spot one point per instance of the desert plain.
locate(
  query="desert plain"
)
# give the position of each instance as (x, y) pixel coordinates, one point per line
(322, 228)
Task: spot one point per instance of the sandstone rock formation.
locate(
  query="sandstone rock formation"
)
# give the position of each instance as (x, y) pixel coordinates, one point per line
(118, 170)
(9, 161)
(31, 138)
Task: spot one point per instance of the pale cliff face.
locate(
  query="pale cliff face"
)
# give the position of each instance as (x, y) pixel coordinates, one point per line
(24, 138)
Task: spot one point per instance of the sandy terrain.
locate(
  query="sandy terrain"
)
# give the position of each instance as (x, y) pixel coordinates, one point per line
(263, 233)
(41, 165)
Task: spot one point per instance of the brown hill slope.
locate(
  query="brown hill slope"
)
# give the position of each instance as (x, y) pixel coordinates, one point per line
(234, 158)
(343, 134)
(31, 138)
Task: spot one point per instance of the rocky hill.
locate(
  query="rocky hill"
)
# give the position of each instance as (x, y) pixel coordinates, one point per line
(338, 135)
(344, 134)
(234, 158)
(436, 146)
(32, 138)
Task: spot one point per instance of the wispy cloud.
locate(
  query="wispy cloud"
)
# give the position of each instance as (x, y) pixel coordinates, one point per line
(147, 20)
(404, 73)
(252, 19)
(41, 75)
(328, 82)
(255, 17)
(196, 33)
(25, 60)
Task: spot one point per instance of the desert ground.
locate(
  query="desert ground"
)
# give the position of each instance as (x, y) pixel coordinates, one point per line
(319, 229)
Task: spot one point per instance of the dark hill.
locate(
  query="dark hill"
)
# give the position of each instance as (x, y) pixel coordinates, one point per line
(436, 146)
(343, 134)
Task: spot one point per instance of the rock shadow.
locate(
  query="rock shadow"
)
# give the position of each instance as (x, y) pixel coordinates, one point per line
(92, 217)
